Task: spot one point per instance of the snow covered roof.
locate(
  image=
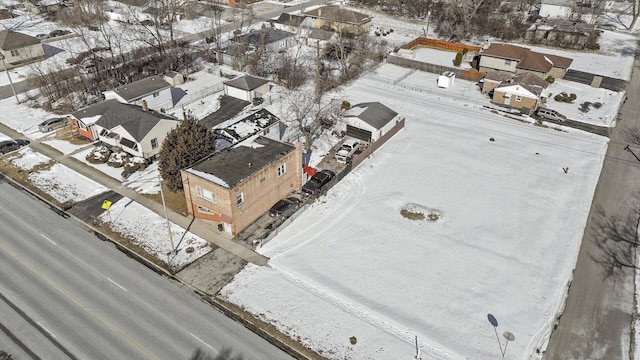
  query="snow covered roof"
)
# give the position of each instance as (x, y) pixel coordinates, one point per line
(246, 82)
(140, 88)
(93, 110)
(528, 81)
(236, 131)
(373, 113)
(11, 40)
(338, 14)
(229, 167)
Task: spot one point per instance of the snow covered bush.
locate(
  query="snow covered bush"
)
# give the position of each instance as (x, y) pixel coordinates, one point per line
(99, 155)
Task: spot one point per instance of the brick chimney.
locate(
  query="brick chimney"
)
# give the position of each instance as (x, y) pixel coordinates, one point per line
(145, 107)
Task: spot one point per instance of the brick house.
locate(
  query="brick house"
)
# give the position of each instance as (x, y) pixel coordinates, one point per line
(520, 91)
(339, 19)
(236, 186)
(505, 58)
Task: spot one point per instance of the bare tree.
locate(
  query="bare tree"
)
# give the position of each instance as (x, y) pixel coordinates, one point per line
(307, 114)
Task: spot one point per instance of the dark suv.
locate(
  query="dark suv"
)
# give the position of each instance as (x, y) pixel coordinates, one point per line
(317, 181)
(8, 146)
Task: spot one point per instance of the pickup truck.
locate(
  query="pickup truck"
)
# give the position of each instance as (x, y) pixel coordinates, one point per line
(346, 151)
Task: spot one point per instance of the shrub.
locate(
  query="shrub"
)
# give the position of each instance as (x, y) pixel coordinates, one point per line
(573, 96)
(346, 105)
(558, 98)
(597, 105)
(134, 164)
(99, 155)
(458, 59)
(465, 51)
(550, 79)
(118, 158)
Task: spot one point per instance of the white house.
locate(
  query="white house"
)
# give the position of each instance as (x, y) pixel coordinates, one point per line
(367, 121)
(246, 87)
(154, 90)
(136, 129)
(19, 49)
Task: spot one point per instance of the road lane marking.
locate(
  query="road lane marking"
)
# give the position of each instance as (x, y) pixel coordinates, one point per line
(51, 241)
(116, 284)
(148, 354)
(45, 329)
(197, 338)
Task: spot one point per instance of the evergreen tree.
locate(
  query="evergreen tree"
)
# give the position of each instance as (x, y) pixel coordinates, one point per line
(183, 147)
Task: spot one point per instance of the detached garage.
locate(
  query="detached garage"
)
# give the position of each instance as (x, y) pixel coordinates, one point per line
(246, 88)
(368, 121)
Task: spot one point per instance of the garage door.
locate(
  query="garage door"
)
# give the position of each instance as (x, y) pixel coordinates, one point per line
(358, 133)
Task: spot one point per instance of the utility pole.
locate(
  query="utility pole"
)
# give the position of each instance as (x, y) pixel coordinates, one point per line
(4, 64)
(318, 71)
(632, 153)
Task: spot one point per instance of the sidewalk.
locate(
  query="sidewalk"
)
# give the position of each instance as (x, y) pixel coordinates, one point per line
(203, 229)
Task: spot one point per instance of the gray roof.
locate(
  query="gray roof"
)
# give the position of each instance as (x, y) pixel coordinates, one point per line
(140, 88)
(320, 34)
(270, 35)
(373, 113)
(94, 109)
(11, 40)
(132, 118)
(235, 164)
(290, 19)
(246, 82)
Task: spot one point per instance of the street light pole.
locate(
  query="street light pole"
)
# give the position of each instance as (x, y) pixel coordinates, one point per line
(4, 64)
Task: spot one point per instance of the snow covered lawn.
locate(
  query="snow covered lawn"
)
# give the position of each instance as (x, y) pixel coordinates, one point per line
(149, 231)
(65, 185)
(509, 225)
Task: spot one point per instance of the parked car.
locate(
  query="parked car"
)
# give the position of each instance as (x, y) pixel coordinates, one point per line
(608, 26)
(317, 181)
(284, 208)
(550, 114)
(146, 22)
(52, 124)
(8, 146)
(346, 151)
(42, 36)
(56, 33)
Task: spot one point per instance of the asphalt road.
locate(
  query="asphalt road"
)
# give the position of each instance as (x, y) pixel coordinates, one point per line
(596, 323)
(64, 294)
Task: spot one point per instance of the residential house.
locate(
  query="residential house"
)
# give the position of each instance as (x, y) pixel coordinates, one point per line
(339, 19)
(246, 46)
(260, 123)
(42, 6)
(19, 49)
(562, 33)
(136, 129)
(290, 20)
(83, 121)
(516, 59)
(153, 89)
(236, 186)
(317, 37)
(520, 91)
(246, 87)
(570, 9)
(367, 121)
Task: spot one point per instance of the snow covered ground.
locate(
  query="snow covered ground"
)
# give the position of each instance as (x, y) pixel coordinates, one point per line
(510, 222)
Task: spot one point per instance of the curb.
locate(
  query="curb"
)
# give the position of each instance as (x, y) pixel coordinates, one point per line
(216, 304)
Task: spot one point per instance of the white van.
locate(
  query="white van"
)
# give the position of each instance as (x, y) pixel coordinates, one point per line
(550, 114)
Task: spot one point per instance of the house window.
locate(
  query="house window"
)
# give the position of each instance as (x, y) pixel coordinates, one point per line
(15, 53)
(518, 98)
(154, 143)
(507, 62)
(282, 169)
(104, 132)
(82, 126)
(156, 94)
(206, 194)
(240, 198)
(205, 210)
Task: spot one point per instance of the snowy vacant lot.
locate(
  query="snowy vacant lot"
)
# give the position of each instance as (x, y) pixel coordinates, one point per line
(508, 225)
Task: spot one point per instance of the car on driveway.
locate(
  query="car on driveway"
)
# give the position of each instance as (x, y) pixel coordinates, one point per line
(284, 208)
(52, 124)
(317, 181)
(56, 33)
(7, 146)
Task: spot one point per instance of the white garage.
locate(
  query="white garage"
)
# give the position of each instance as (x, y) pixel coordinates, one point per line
(246, 87)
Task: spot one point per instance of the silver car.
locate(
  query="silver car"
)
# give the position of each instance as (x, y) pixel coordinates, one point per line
(52, 124)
